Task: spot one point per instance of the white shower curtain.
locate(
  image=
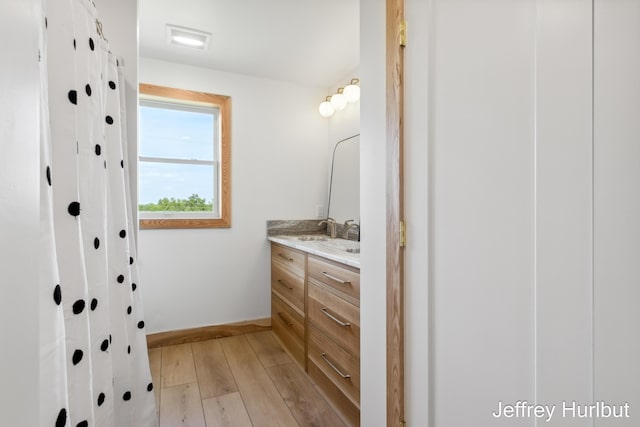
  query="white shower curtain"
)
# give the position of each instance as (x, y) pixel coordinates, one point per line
(94, 366)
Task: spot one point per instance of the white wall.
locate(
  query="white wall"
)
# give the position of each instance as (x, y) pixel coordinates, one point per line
(482, 209)
(563, 211)
(529, 204)
(417, 155)
(616, 315)
(19, 213)
(373, 392)
(194, 278)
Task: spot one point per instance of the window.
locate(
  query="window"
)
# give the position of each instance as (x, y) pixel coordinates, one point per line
(185, 154)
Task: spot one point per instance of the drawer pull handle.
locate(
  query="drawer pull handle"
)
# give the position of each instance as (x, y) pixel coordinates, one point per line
(334, 318)
(328, 362)
(284, 284)
(337, 279)
(290, 324)
(281, 255)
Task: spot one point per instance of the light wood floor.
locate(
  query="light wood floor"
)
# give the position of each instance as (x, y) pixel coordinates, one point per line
(246, 380)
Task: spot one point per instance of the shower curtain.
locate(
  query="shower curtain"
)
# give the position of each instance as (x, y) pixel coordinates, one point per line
(94, 367)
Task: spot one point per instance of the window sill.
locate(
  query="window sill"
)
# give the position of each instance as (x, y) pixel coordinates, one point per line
(161, 223)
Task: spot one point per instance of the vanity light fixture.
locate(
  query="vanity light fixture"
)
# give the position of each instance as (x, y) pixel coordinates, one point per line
(325, 108)
(339, 100)
(187, 37)
(351, 92)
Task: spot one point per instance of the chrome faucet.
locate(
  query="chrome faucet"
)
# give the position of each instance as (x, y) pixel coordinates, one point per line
(331, 226)
(348, 225)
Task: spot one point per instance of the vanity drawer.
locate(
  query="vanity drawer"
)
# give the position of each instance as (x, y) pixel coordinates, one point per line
(340, 277)
(289, 259)
(288, 326)
(337, 318)
(336, 373)
(288, 286)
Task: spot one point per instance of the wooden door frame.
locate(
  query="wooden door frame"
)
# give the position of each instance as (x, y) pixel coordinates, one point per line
(395, 211)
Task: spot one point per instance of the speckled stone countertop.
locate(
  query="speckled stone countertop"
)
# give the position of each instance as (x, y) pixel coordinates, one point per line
(333, 249)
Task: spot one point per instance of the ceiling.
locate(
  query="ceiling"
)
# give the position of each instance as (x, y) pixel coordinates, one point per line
(311, 42)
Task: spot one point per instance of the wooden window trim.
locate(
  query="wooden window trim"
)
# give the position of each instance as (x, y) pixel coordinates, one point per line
(224, 104)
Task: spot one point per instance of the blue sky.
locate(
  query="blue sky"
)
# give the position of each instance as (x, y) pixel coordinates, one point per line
(175, 134)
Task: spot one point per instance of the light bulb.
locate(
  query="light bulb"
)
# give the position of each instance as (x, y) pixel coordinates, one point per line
(338, 100)
(352, 91)
(325, 108)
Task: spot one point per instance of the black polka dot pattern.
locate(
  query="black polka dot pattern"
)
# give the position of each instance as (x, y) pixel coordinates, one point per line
(61, 421)
(57, 295)
(74, 209)
(73, 97)
(72, 100)
(78, 306)
(77, 357)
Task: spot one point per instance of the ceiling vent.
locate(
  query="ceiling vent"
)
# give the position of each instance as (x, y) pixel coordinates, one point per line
(187, 37)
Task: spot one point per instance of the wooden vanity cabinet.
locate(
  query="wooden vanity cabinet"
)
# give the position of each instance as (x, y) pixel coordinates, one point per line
(315, 313)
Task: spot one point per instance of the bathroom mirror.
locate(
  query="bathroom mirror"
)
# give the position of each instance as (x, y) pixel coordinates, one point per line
(344, 186)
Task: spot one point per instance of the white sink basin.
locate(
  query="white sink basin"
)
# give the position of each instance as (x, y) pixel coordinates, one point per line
(342, 245)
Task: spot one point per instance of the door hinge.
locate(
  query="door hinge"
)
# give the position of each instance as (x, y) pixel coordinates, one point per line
(403, 33)
(403, 424)
(403, 235)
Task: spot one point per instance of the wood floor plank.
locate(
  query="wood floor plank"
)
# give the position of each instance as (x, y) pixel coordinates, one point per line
(214, 375)
(268, 350)
(304, 401)
(226, 411)
(262, 400)
(177, 365)
(155, 364)
(181, 406)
